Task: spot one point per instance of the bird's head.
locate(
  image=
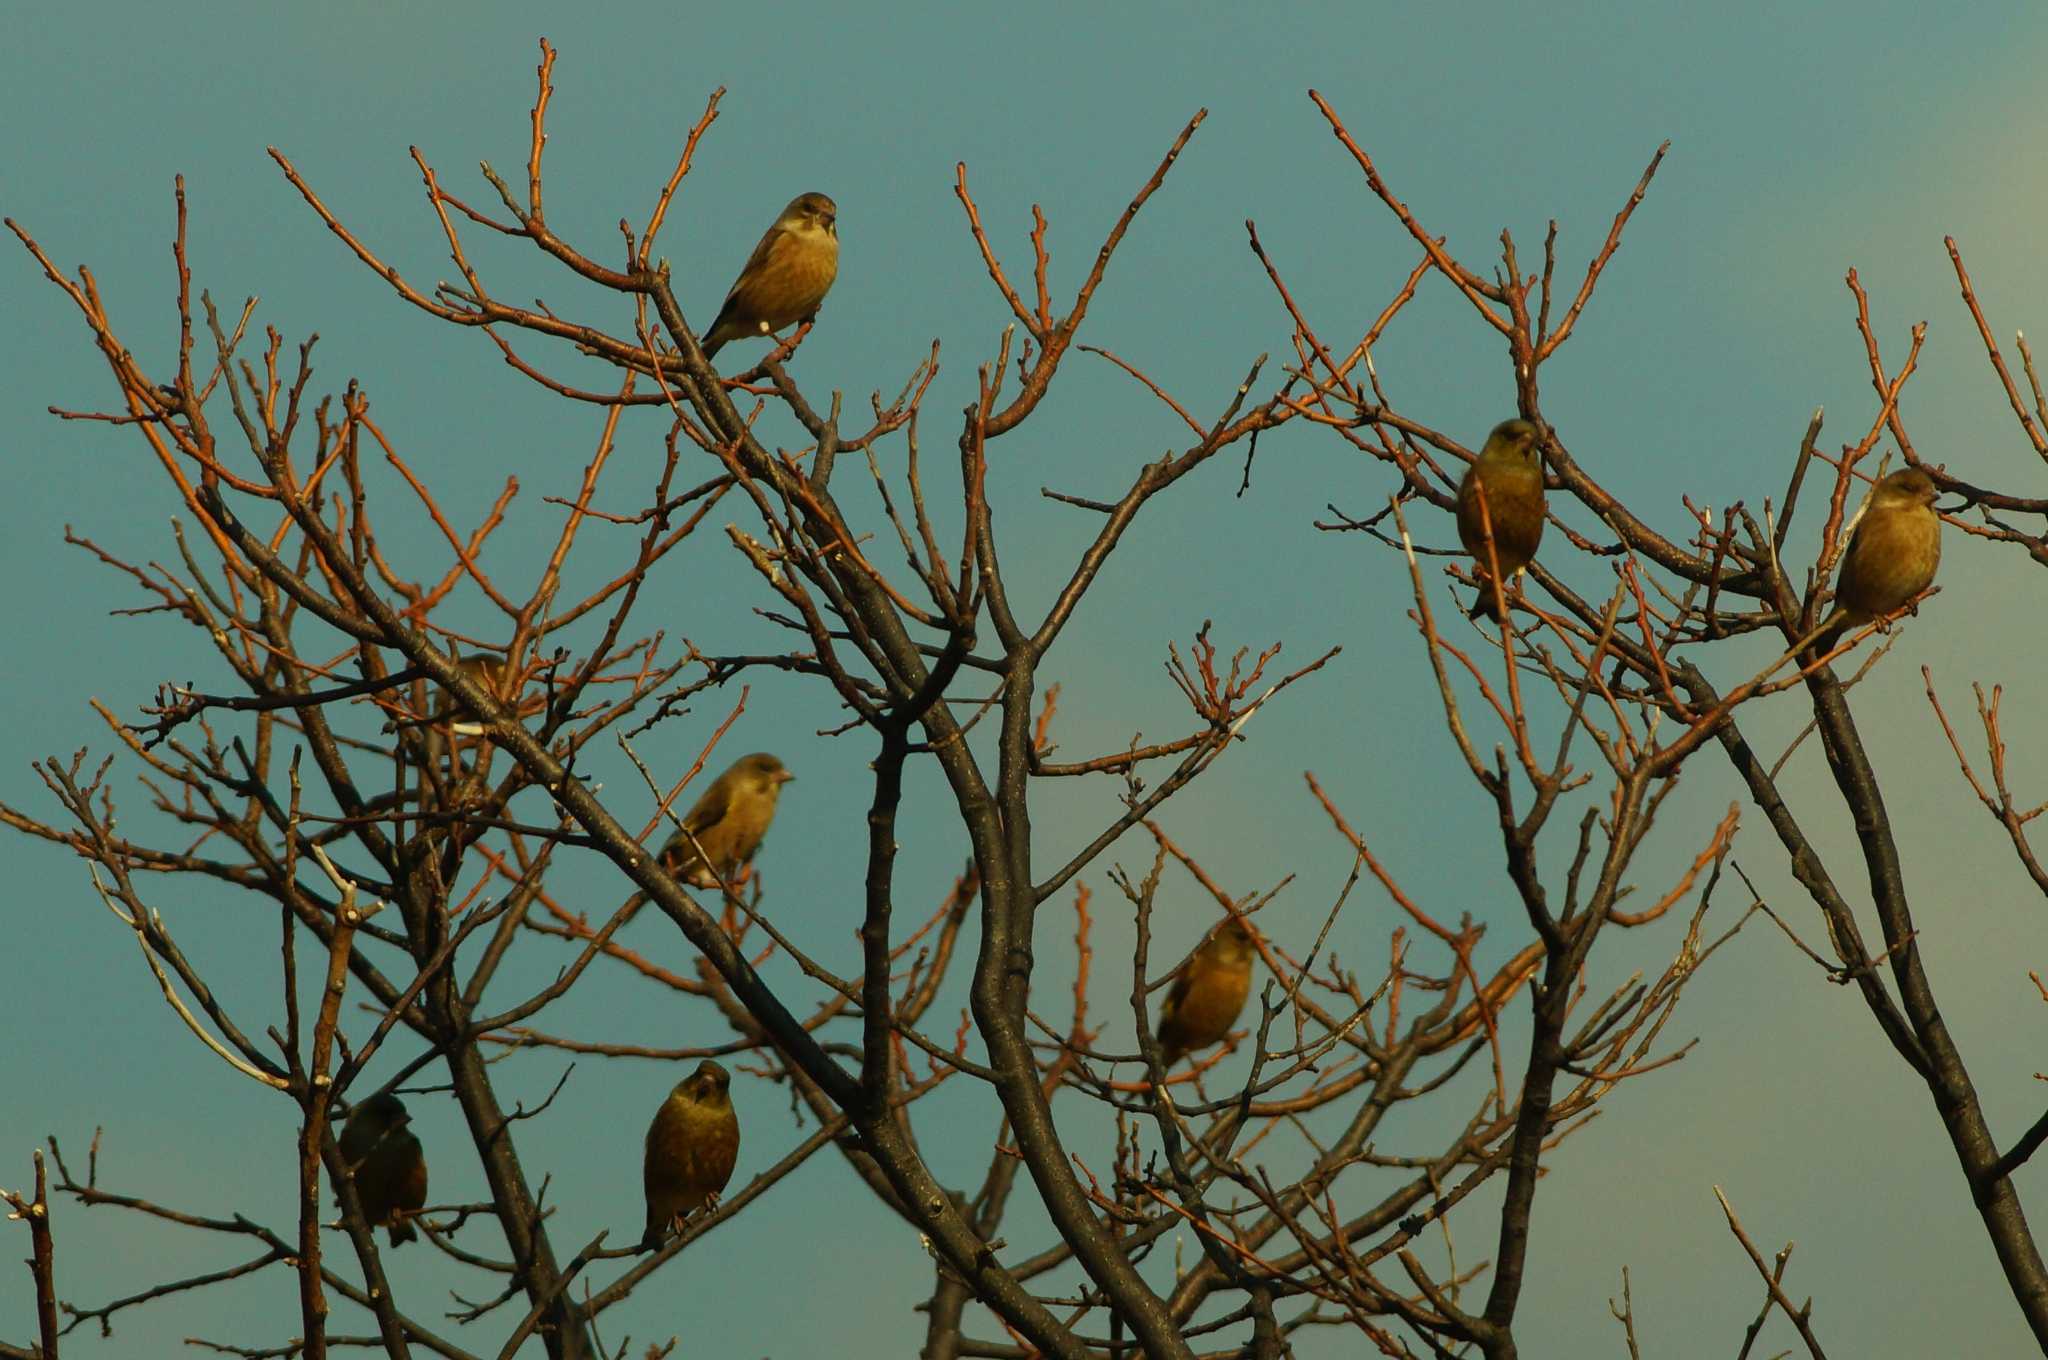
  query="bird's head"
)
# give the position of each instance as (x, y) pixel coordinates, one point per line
(763, 773)
(1512, 442)
(709, 1084)
(811, 212)
(1907, 486)
(1235, 939)
(482, 668)
(382, 1112)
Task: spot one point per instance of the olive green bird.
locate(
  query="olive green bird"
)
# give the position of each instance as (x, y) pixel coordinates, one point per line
(1508, 477)
(787, 276)
(1207, 993)
(692, 1146)
(1892, 556)
(723, 829)
(386, 1163)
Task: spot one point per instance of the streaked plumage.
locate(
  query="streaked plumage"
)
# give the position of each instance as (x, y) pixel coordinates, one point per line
(787, 276)
(485, 670)
(727, 822)
(387, 1163)
(1208, 993)
(692, 1146)
(1509, 475)
(1892, 556)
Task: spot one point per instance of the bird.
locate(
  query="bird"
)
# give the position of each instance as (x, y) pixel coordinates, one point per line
(1892, 556)
(1207, 993)
(485, 670)
(451, 738)
(385, 1160)
(727, 823)
(786, 277)
(692, 1146)
(1508, 477)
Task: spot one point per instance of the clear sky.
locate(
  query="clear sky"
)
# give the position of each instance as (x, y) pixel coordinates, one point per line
(1805, 140)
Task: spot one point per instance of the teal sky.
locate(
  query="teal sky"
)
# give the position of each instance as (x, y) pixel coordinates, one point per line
(1805, 140)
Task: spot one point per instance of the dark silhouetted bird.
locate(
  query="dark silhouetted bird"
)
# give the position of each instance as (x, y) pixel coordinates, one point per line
(389, 1169)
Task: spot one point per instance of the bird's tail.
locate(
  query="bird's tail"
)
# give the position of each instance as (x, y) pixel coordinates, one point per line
(1482, 608)
(1824, 641)
(651, 1239)
(1829, 632)
(402, 1233)
(715, 335)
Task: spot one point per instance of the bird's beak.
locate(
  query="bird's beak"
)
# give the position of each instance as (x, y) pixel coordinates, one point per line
(783, 777)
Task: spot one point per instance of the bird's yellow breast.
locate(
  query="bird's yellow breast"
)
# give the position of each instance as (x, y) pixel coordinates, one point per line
(692, 1148)
(793, 278)
(1892, 558)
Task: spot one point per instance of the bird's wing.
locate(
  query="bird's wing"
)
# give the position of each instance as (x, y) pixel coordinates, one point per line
(762, 249)
(709, 810)
(1855, 538)
(1177, 995)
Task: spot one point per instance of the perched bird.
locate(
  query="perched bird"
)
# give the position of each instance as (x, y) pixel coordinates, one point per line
(727, 823)
(786, 277)
(692, 1146)
(385, 1160)
(451, 739)
(1508, 476)
(1207, 994)
(485, 670)
(1892, 555)
(482, 668)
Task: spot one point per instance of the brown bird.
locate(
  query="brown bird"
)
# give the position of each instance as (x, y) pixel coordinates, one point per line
(451, 740)
(692, 1146)
(385, 1160)
(485, 670)
(1892, 555)
(727, 823)
(1207, 994)
(1508, 477)
(786, 277)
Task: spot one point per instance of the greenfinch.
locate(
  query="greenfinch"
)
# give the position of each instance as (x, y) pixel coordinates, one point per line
(1508, 477)
(385, 1160)
(786, 277)
(692, 1146)
(727, 823)
(1207, 993)
(1892, 555)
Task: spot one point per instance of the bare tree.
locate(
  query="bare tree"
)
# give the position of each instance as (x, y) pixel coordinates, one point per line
(400, 805)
